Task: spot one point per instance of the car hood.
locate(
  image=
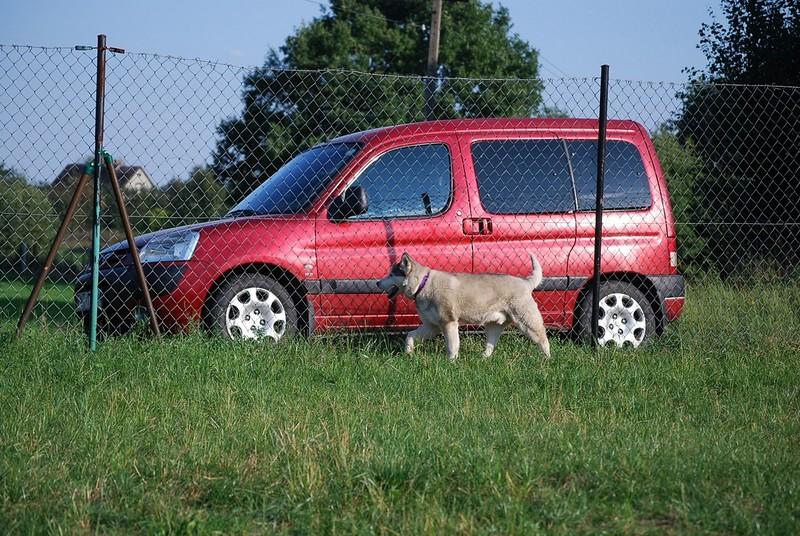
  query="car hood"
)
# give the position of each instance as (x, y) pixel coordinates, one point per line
(141, 240)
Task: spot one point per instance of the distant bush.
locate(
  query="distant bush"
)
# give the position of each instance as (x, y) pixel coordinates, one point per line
(26, 216)
(683, 170)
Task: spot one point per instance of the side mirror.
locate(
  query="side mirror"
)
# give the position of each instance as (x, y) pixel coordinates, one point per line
(352, 203)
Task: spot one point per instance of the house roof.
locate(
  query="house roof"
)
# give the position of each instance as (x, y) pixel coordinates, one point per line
(124, 173)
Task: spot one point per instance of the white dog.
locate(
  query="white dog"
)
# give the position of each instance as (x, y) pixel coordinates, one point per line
(446, 300)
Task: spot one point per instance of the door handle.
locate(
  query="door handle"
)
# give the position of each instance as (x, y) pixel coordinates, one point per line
(477, 226)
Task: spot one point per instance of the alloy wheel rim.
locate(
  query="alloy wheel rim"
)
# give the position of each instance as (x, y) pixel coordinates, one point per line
(621, 321)
(255, 313)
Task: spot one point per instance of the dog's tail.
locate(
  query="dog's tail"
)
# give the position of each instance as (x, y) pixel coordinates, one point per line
(535, 278)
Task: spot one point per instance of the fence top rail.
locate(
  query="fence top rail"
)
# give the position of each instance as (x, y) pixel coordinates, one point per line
(356, 72)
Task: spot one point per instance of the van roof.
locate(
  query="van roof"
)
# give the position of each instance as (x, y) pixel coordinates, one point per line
(449, 126)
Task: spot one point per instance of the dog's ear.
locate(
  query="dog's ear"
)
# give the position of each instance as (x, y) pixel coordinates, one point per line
(405, 262)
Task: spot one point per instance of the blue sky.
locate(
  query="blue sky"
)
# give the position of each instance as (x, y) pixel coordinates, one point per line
(46, 104)
(642, 40)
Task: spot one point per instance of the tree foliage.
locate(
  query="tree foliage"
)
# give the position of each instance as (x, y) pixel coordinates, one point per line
(199, 198)
(683, 170)
(748, 137)
(320, 83)
(8, 174)
(26, 215)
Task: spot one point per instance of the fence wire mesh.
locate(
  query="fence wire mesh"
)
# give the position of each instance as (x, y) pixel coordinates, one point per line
(278, 198)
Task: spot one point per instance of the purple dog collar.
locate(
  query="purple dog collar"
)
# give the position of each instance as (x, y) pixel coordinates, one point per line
(421, 285)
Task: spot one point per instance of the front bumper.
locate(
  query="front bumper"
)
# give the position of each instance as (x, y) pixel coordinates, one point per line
(121, 298)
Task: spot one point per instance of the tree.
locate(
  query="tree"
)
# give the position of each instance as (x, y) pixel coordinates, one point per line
(26, 215)
(359, 65)
(552, 112)
(200, 198)
(8, 174)
(148, 210)
(683, 170)
(746, 135)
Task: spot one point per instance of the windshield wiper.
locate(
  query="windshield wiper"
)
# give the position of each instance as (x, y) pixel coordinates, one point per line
(241, 212)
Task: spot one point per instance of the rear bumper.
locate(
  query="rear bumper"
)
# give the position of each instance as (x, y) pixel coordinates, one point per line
(673, 307)
(672, 293)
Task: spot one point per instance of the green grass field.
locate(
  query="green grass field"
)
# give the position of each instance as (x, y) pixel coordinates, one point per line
(54, 307)
(700, 432)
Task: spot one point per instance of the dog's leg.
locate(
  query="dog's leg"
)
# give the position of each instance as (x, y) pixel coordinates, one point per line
(451, 339)
(530, 322)
(425, 331)
(493, 331)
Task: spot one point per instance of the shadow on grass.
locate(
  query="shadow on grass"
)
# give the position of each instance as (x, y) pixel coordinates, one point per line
(54, 307)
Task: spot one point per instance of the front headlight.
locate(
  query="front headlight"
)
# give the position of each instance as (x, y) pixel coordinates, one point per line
(170, 247)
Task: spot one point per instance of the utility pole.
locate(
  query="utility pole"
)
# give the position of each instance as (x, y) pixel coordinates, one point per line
(433, 58)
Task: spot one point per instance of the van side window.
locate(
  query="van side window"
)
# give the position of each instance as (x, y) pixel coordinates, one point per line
(407, 182)
(625, 184)
(523, 176)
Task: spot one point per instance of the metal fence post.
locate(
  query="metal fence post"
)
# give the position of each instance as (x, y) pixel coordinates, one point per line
(598, 222)
(98, 147)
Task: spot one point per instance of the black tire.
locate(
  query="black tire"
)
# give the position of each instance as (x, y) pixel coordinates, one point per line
(583, 313)
(235, 288)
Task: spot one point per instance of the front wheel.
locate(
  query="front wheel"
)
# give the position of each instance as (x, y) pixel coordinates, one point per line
(252, 306)
(625, 316)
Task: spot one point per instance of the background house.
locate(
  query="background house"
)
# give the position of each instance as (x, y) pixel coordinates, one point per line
(131, 178)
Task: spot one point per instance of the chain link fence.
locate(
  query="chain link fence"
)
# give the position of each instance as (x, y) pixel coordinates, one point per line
(283, 220)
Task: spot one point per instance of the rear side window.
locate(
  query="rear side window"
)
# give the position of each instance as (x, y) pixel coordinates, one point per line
(523, 176)
(626, 185)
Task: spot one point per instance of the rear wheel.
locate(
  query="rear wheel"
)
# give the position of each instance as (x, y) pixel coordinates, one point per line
(252, 306)
(625, 316)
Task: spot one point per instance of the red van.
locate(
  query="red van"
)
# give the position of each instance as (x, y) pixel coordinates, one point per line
(302, 252)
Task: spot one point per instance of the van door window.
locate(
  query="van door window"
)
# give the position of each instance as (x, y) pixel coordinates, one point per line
(407, 182)
(523, 176)
(625, 184)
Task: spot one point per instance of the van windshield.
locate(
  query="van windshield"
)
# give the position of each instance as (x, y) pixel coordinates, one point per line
(298, 183)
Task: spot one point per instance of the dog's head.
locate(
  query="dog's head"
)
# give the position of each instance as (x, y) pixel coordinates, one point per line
(399, 278)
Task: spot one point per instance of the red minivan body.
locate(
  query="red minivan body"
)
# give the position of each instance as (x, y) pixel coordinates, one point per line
(329, 267)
